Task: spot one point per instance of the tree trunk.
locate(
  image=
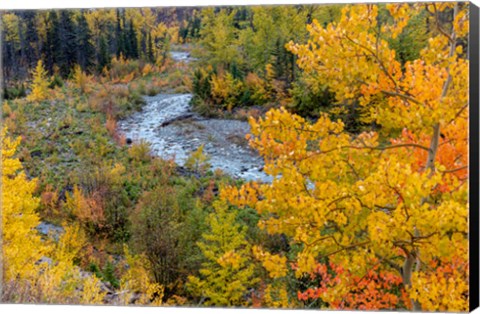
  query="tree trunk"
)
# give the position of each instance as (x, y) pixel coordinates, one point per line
(413, 259)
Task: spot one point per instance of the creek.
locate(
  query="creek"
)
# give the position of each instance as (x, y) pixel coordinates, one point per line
(174, 131)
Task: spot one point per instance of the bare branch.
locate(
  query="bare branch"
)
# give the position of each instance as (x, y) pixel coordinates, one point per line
(454, 170)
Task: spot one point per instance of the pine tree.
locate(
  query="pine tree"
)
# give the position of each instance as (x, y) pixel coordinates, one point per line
(150, 51)
(31, 38)
(103, 55)
(68, 44)
(227, 273)
(120, 40)
(52, 44)
(132, 37)
(83, 36)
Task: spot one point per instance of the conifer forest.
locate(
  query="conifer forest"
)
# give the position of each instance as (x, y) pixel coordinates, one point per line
(294, 156)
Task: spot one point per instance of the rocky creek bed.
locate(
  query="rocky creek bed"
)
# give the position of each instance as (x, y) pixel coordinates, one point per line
(173, 130)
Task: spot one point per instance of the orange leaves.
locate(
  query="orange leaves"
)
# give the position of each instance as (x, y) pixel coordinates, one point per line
(350, 198)
(48, 199)
(247, 195)
(89, 210)
(356, 63)
(445, 288)
(209, 194)
(128, 78)
(111, 126)
(452, 155)
(148, 69)
(375, 290)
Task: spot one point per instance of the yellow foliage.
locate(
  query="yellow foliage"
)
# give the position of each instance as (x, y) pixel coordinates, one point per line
(91, 293)
(56, 279)
(258, 87)
(81, 79)
(444, 289)
(22, 246)
(275, 265)
(140, 151)
(225, 89)
(350, 198)
(198, 161)
(276, 297)
(70, 245)
(6, 109)
(357, 63)
(227, 273)
(137, 280)
(40, 84)
(147, 69)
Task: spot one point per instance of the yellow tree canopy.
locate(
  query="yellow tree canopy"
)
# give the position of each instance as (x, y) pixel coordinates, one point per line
(357, 202)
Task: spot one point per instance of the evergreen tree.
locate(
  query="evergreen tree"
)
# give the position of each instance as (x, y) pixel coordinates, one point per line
(51, 48)
(103, 55)
(127, 43)
(119, 37)
(132, 37)
(226, 274)
(85, 51)
(31, 37)
(150, 52)
(68, 45)
(143, 45)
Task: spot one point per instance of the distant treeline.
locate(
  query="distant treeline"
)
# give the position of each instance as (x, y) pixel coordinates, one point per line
(89, 38)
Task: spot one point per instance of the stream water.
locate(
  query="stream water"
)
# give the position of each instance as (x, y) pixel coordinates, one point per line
(170, 137)
(173, 130)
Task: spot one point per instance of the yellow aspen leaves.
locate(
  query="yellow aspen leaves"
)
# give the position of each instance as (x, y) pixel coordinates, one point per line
(30, 261)
(22, 246)
(351, 198)
(276, 265)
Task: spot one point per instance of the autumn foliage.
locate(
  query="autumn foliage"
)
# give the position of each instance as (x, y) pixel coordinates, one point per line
(359, 112)
(352, 199)
(40, 84)
(375, 290)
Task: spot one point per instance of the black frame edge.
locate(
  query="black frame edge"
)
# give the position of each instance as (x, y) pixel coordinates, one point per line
(474, 187)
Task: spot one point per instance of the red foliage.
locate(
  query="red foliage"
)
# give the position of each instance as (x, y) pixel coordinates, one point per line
(375, 290)
(452, 152)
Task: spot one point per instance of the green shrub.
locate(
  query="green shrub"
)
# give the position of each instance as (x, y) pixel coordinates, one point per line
(56, 82)
(140, 152)
(14, 92)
